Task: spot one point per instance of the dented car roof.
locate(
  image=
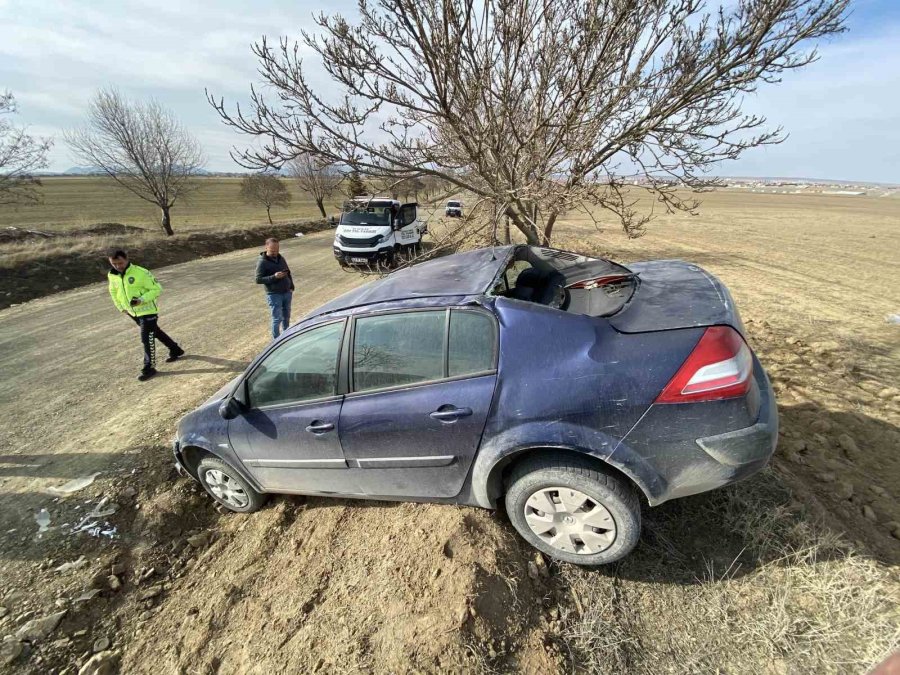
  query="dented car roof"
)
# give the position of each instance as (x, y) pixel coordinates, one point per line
(462, 274)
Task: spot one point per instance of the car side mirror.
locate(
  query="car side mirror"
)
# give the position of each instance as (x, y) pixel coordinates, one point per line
(230, 408)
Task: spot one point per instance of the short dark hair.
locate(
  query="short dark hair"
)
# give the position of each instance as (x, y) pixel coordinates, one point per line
(272, 240)
(116, 253)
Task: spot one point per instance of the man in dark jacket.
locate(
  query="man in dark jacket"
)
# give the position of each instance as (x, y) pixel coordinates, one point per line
(273, 272)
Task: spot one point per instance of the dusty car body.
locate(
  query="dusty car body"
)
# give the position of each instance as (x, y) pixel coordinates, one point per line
(568, 387)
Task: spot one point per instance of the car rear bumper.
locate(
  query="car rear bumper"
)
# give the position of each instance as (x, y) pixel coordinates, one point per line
(669, 462)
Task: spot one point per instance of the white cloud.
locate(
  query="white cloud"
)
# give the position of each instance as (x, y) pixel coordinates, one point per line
(841, 113)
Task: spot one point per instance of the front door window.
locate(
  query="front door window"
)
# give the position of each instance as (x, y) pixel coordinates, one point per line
(302, 369)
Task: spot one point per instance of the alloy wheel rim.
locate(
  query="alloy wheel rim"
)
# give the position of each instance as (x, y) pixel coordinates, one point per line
(226, 488)
(570, 521)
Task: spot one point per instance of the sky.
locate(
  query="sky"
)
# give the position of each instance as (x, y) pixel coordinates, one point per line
(841, 114)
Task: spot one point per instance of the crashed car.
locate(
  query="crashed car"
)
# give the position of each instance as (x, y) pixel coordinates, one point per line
(568, 389)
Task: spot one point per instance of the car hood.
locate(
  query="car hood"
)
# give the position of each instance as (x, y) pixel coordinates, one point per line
(224, 391)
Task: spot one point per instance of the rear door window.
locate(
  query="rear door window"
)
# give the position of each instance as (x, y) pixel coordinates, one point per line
(398, 349)
(472, 343)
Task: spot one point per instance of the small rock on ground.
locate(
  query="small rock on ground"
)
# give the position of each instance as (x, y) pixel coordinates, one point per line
(10, 649)
(104, 663)
(38, 629)
(843, 490)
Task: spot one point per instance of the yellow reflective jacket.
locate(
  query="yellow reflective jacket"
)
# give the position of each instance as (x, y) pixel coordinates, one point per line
(134, 282)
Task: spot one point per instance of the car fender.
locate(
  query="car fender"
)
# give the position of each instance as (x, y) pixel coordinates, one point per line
(497, 452)
(221, 449)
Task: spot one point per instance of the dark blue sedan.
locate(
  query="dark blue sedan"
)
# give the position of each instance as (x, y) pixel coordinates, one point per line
(571, 388)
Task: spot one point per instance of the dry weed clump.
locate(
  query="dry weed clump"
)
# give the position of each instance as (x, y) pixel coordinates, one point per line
(798, 598)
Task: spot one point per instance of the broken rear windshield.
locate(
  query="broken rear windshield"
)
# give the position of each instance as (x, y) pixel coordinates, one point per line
(566, 281)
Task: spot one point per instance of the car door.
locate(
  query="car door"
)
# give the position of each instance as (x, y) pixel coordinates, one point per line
(421, 389)
(409, 228)
(288, 437)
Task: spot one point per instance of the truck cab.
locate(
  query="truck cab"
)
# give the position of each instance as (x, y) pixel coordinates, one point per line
(375, 231)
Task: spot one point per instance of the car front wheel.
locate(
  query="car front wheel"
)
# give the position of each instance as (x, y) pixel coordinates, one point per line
(569, 509)
(227, 487)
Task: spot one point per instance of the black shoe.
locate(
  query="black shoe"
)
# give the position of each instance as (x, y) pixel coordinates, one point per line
(146, 374)
(175, 354)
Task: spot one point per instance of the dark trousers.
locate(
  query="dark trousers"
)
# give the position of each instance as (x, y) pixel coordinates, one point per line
(150, 333)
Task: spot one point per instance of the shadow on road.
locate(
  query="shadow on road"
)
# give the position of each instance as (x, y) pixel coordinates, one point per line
(223, 366)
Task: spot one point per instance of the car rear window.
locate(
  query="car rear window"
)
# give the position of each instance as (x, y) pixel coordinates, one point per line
(397, 349)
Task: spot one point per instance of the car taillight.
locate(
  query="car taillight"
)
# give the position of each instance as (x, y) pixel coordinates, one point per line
(719, 367)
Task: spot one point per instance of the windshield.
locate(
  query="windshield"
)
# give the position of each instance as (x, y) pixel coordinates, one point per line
(452, 203)
(377, 216)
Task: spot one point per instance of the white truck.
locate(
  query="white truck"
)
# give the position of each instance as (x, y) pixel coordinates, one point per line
(454, 209)
(376, 232)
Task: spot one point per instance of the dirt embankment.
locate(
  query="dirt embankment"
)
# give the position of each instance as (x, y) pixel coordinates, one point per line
(77, 258)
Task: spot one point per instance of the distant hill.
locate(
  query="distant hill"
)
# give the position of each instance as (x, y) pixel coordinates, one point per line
(97, 171)
(83, 171)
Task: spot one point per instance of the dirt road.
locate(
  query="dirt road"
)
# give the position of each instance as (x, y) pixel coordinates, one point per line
(71, 400)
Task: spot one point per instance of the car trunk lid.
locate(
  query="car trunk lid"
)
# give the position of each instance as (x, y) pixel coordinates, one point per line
(674, 294)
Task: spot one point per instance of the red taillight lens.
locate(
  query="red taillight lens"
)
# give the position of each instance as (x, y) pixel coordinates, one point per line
(719, 367)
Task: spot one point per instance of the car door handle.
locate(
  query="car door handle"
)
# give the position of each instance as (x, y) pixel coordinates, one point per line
(450, 414)
(317, 427)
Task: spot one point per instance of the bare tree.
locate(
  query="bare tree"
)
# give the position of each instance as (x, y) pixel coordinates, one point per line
(566, 104)
(20, 156)
(265, 189)
(319, 179)
(142, 147)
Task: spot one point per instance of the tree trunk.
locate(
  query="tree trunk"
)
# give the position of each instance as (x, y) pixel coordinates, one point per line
(532, 235)
(321, 207)
(269, 214)
(166, 221)
(506, 238)
(548, 228)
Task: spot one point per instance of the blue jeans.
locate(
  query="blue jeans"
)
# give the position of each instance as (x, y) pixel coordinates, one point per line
(280, 304)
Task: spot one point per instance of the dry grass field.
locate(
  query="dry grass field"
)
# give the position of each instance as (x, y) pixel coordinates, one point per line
(793, 571)
(79, 202)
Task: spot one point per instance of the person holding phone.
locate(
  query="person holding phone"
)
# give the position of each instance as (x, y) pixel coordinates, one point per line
(272, 271)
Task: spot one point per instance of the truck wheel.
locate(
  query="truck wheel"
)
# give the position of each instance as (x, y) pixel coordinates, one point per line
(567, 508)
(226, 486)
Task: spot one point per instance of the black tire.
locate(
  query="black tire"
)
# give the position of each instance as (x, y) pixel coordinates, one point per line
(208, 479)
(617, 496)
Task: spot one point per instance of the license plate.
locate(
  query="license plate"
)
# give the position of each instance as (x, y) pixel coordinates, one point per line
(359, 260)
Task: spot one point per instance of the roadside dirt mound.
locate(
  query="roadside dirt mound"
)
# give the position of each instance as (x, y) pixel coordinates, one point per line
(79, 258)
(394, 587)
(107, 229)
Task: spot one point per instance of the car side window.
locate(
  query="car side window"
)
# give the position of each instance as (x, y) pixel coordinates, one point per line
(301, 369)
(472, 343)
(397, 349)
(407, 214)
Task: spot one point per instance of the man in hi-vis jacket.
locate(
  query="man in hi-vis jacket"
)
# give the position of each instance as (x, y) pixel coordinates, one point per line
(134, 291)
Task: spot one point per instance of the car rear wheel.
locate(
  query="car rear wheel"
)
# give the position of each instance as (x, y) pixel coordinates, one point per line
(569, 509)
(226, 486)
